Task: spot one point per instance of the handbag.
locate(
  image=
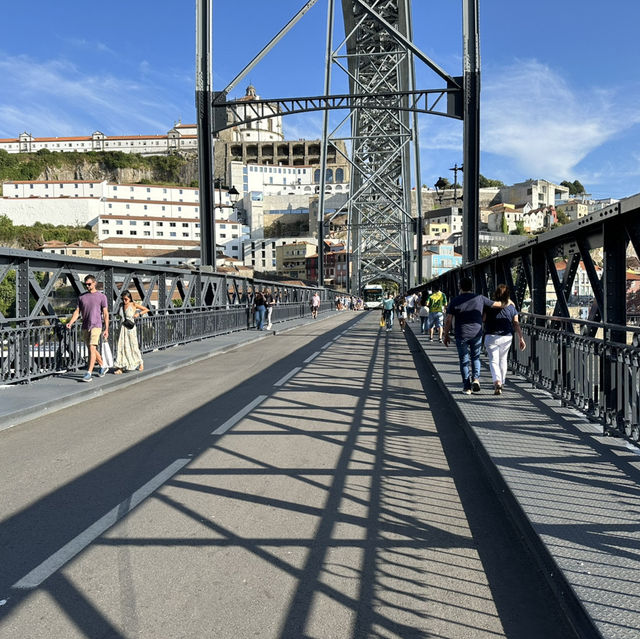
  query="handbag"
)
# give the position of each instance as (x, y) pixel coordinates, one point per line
(128, 323)
(382, 322)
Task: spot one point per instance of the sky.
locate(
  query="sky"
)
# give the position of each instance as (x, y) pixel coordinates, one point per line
(560, 79)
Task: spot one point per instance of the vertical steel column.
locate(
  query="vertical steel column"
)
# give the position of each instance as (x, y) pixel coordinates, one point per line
(205, 133)
(325, 142)
(471, 161)
(614, 277)
(539, 282)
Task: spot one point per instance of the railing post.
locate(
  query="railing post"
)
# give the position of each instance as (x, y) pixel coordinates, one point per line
(23, 365)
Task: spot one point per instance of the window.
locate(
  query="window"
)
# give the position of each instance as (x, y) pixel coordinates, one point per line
(185, 235)
(134, 233)
(119, 222)
(147, 233)
(119, 232)
(132, 223)
(159, 233)
(105, 221)
(126, 206)
(172, 234)
(146, 223)
(160, 223)
(76, 186)
(172, 223)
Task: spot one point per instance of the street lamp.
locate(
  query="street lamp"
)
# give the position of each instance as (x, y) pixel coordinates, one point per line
(440, 185)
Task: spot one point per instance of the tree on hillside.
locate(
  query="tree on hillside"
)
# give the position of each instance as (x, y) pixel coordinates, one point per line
(574, 187)
(486, 182)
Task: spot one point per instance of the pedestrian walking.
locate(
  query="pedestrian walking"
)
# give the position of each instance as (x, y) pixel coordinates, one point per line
(467, 309)
(436, 304)
(259, 309)
(423, 314)
(270, 303)
(128, 355)
(499, 327)
(315, 305)
(410, 305)
(92, 307)
(401, 311)
(387, 311)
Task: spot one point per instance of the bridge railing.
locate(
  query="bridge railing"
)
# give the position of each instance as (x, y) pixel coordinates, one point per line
(32, 350)
(38, 289)
(593, 367)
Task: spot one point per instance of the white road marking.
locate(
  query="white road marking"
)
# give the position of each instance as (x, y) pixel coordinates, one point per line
(232, 421)
(325, 345)
(79, 543)
(311, 357)
(288, 376)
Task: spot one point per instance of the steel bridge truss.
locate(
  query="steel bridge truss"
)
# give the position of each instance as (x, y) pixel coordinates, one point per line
(381, 130)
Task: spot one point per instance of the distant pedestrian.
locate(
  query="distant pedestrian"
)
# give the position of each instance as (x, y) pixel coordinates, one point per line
(423, 314)
(270, 302)
(92, 306)
(128, 355)
(315, 305)
(467, 309)
(387, 311)
(499, 327)
(401, 311)
(259, 309)
(410, 305)
(436, 304)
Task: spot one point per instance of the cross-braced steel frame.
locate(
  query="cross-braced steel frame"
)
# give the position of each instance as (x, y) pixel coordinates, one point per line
(378, 55)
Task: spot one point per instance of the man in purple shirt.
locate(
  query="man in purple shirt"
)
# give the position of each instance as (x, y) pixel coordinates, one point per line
(93, 307)
(467, 309)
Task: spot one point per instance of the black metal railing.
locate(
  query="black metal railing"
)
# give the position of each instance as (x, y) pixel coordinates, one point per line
(37, 348)
(593, 367)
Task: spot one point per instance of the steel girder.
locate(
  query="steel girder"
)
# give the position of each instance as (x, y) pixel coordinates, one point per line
(379, 64)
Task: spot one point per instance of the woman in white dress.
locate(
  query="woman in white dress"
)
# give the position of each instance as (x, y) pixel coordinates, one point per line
(128, 356)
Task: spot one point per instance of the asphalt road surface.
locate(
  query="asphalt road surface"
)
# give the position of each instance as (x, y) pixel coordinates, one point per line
(313, 484)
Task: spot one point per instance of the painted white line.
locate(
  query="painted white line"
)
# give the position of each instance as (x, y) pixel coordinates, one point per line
(288, 376)
(79, 543)
(325, 345)
(232, 421)
(311, 357)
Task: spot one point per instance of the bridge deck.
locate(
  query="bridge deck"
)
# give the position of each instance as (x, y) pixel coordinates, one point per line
(313, 484)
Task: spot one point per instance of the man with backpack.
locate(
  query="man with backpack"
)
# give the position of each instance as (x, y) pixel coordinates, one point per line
(436, 304)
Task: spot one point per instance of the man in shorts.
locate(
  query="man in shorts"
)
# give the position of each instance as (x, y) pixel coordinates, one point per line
(436, 304)
(92, 305)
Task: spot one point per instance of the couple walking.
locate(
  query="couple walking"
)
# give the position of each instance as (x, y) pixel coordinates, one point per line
(500, 318)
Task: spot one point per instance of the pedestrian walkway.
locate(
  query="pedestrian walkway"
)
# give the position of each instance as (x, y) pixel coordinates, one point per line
(574, 493)
(21, 402)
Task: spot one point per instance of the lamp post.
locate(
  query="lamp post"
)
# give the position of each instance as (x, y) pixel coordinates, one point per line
(455, 170)
(440, 185)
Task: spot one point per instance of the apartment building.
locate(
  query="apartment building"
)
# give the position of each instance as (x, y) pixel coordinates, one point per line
(291, 259)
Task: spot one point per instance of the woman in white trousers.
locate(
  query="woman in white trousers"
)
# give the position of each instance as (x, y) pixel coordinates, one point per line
(499, 327)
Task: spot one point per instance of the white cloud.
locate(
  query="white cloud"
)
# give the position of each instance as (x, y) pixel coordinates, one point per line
(532, 116)
(55, 97)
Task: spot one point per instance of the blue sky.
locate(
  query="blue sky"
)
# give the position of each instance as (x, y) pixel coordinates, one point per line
(560, 80)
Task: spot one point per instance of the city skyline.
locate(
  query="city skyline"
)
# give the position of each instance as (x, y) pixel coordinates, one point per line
(559, 94)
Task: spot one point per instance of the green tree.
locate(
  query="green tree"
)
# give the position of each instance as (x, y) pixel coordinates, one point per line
(486, 182)
(562, 217)
(519, 228)
(574, 187)
(505, 225)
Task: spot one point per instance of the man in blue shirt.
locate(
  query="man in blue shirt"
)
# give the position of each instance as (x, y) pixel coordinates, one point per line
(467, 309)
